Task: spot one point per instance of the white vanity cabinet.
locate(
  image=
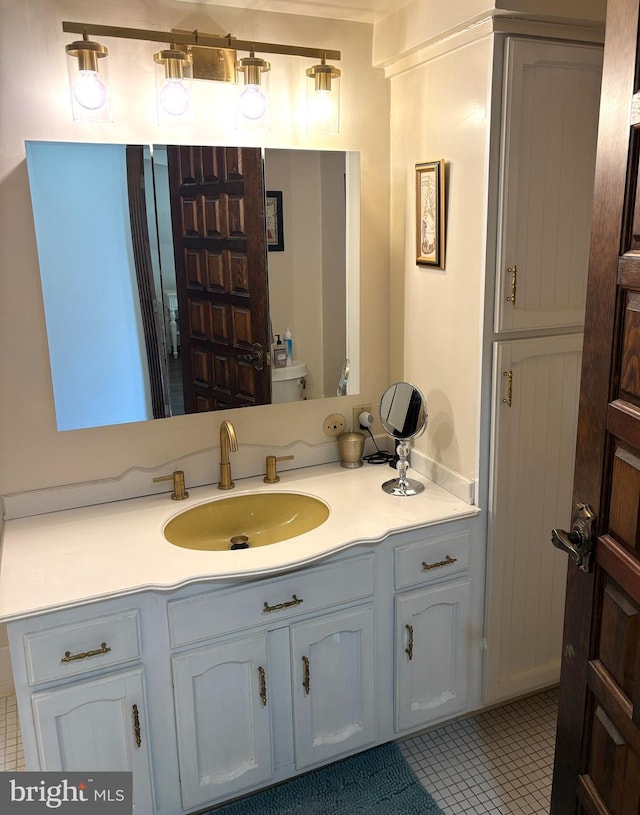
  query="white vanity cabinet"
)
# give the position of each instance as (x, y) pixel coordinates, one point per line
(317, 672)
(219, 688)
(86, 708)
(433, 632)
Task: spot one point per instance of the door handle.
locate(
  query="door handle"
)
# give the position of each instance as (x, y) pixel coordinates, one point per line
(579, 542)
(256, 357)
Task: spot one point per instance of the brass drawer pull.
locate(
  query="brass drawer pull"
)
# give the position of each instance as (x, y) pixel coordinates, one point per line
(409, 649)
(263, 686)
(306, 679)
(446, 562)
(513, 271)
(69, 657)
(136, 726)
(295, 601)
(508, 400)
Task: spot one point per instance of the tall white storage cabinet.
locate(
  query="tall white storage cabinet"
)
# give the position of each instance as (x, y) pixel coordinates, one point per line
(550, 104)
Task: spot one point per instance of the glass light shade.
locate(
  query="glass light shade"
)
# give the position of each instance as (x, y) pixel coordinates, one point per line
(323, 99)
(252, 103)
(173, 87)
(89, 91)
(174, 98)
(88, 81)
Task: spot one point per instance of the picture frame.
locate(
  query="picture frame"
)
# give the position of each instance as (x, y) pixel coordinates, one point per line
(430, 214)
(273, 219)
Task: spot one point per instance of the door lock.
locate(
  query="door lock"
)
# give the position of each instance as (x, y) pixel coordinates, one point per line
(255, 358)
(579, 543)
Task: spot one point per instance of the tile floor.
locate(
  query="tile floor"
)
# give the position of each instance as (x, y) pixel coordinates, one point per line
(496, 763)
(11, 754)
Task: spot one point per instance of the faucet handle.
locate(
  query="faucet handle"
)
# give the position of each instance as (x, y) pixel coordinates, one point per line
(177, 476)
(272, 476)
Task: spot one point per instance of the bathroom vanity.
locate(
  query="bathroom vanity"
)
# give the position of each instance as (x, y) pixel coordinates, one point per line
(213, 674)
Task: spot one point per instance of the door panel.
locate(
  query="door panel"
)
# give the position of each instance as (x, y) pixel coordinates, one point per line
(332, 661)
(597, 767)
(533, 448)
(98, 724)
(218, 215)
(222, 719)
(549, 139)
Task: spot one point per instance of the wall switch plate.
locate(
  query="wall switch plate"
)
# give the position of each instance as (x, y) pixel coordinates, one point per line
(356, 413)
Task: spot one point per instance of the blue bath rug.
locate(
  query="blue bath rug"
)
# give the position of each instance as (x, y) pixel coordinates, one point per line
(376, 782)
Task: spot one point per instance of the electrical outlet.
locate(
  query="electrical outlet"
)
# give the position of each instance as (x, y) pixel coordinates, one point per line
(334, 424)
(356, 413)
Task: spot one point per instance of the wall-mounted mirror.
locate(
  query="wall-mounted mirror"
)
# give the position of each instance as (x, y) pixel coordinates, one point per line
(403, 413)
(164, 283)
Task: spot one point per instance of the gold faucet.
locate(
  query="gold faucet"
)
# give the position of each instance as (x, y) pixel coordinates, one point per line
(228, 443)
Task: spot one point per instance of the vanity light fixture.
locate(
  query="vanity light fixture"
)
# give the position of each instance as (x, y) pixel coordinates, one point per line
(252, 102)
(173, 95)
(187, 45)
(89, 92)
(323, 98)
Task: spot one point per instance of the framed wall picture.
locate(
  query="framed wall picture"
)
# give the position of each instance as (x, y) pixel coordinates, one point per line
(430, 214)
(275, 234)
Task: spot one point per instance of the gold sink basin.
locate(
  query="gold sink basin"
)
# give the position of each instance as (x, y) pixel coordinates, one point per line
(246, 521)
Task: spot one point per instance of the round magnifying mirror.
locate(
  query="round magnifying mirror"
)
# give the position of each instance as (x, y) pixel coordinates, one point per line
(403, 412)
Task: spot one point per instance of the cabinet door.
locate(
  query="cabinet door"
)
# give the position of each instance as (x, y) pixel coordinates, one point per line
(533, 448)
(97, 725)
(549, 131)
(222, 719)
(431, 646)
(333, 685)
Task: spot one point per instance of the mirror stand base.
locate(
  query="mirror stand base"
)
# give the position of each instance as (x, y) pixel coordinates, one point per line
(402, 486)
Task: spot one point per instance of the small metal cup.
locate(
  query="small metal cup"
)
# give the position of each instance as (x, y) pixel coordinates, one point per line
(351, 447)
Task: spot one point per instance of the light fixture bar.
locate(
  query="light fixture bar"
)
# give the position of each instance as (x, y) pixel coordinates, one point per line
(198, 39)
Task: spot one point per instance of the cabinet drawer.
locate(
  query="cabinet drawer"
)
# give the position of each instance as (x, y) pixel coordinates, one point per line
(78, 648)
(428, 560)
(269, 601)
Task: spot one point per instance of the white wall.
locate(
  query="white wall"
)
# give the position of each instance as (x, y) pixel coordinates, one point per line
(437, 345)
(439, 58)
(295, 275)
(34, 104)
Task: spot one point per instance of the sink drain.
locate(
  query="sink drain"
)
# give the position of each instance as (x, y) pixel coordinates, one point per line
(239, 542)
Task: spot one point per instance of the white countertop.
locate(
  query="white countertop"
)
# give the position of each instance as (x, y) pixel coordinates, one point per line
(71, 557)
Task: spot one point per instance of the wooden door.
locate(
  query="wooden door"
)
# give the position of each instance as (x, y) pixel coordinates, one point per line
(597, 768)
(152, 328)
(222, 719)
(333, 665)
(218, 216)
(99, 725)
